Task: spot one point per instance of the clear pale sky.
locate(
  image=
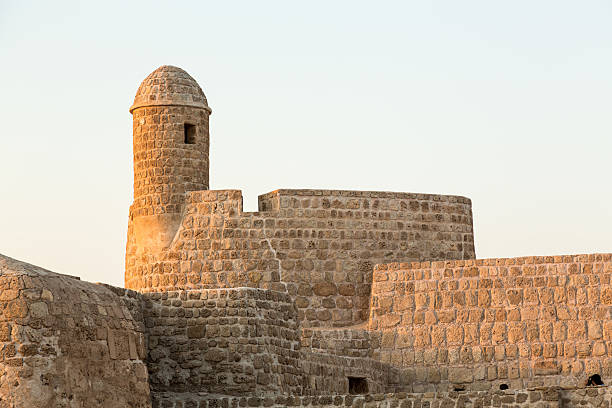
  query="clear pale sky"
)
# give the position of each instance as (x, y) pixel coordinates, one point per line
(508, 103)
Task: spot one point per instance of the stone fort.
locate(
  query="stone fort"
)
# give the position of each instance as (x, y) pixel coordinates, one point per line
(320, 298)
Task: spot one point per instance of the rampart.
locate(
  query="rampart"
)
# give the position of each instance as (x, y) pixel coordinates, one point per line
(317, 245)
(478, 324)
(441, 333)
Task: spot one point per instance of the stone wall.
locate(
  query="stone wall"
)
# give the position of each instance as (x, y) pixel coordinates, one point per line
(318, 245)
(481, 323)
(237, 341)
(64, 342)
(330, 356)
(544, 397)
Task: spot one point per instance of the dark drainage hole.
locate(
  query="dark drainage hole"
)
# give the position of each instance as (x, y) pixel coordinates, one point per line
(358, 385)
(458, 388)
(503, 386)
(593, 380)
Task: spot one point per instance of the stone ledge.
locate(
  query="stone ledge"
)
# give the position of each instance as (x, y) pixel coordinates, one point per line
(526, 260)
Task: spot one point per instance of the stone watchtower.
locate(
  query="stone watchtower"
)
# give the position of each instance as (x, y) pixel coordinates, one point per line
(171, 142)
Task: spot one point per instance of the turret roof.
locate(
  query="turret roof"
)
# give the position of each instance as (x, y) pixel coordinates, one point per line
(169, 85)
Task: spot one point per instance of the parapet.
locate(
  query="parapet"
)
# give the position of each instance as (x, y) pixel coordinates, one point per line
(350, 199)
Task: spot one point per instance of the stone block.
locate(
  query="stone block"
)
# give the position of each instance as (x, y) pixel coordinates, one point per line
(460, 375)
(546, 368)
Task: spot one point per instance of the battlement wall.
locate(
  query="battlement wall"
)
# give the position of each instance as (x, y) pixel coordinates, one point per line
(480, 323)
(317, 245)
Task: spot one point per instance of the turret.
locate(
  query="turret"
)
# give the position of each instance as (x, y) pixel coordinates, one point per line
(171, 142)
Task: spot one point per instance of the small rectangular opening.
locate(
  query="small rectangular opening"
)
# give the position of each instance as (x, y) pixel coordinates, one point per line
(190, 133)
(358, 385)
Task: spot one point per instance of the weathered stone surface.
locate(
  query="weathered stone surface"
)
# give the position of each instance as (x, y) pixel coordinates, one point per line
(529, 329)
(51, 355)
(240, 341)
(460, 375)
(285, 306)
(298, 244)
(324, 289)
(543, 397)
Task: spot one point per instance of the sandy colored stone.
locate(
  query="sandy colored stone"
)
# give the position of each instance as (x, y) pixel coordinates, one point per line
(317, 293)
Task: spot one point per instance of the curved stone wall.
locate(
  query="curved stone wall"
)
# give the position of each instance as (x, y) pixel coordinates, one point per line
(236, 341)
(67, 343)
(165, 167)
(318, 245)
(481, 323)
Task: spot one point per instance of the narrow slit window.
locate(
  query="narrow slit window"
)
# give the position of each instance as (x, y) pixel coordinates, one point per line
(358, 385)
(190, 133)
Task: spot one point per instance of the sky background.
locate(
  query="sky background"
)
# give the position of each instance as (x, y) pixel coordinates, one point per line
(508, 103)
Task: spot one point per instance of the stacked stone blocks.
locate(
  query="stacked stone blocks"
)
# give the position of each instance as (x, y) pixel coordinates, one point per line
(316, 297)
(228, 341)
(521, 321)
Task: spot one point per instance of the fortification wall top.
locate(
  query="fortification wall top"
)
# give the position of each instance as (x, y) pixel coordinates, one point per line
(289, 198)
(318, 245)
(436, 266)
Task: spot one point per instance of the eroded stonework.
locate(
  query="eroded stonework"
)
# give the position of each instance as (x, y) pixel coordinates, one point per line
(318, 296)
(66, 343)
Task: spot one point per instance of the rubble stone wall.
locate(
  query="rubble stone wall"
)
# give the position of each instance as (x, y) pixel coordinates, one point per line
(482, 323)
(236, 341)
(543, 397)
(64, 342)
(317, 245)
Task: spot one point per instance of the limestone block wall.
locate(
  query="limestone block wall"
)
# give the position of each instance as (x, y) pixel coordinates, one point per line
(480, 323)
(64, 342)
(317, 245)
(237, 341)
